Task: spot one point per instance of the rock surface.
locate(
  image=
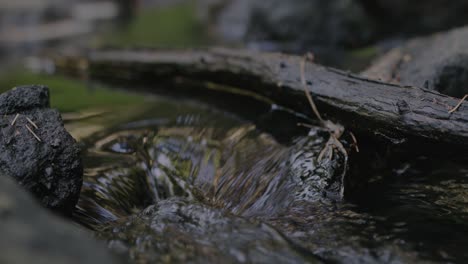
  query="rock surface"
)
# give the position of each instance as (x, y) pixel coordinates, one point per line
(438, 62)
(36, 150)
(32, 235)
(179, 231)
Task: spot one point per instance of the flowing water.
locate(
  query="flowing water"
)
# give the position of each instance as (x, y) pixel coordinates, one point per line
(181, 180)
(236, 180)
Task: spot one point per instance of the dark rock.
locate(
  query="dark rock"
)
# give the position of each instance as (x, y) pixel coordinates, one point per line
(179, 231)
(416, 17)
(323, 23)
(32, 235)
(439, 62)
(24, 98)
(44, 159)
(329, 29)
(297, 25)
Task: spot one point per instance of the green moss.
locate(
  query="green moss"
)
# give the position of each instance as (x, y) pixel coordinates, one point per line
(69, 95)
(174, 26)
(364, 53)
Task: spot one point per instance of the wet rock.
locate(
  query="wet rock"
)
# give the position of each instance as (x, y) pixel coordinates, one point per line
(32, 235)
(23, 99)
(317, 178)
(296, 25)
(242, 170)
(438, 62)
(36, 150)
(177, 230)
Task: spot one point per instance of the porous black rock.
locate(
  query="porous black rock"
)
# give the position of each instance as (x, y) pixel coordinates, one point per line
(30, 234)
(37, 151)
(24, 98)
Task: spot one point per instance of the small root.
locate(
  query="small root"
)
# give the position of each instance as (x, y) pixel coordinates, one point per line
(326, 149)
(306, 125)
(355, 143)
(335, 130)
(459, 104)
(307, 93)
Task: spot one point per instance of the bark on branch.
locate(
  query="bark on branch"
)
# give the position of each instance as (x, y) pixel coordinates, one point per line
(367, 105)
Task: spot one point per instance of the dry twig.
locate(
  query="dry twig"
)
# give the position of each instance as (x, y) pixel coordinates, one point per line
(34, 134)
(459, 104)
(14, 120)
(309, 97)
(32, 123)
(355, 143)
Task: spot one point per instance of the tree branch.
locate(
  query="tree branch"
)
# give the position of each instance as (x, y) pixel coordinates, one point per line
(362, 104)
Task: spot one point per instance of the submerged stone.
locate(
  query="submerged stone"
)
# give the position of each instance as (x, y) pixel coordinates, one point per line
(36, 150)
(179, 231)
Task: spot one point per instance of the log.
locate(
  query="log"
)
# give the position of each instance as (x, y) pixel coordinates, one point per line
(391, 111)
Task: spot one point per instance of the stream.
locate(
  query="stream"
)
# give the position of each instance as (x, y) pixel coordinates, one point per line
(224, 178)
(228, 186)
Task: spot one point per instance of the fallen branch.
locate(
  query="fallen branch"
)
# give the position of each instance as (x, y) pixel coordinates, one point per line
(362, 104)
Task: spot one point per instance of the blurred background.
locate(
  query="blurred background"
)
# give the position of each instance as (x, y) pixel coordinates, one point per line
(346, 34)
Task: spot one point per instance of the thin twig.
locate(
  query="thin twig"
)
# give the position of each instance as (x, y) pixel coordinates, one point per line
(335, 130)
(32, 123)
(355, 144)
(34, 134)
(14, 120)
(306, 125)
(459, 104)
(304, 85)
